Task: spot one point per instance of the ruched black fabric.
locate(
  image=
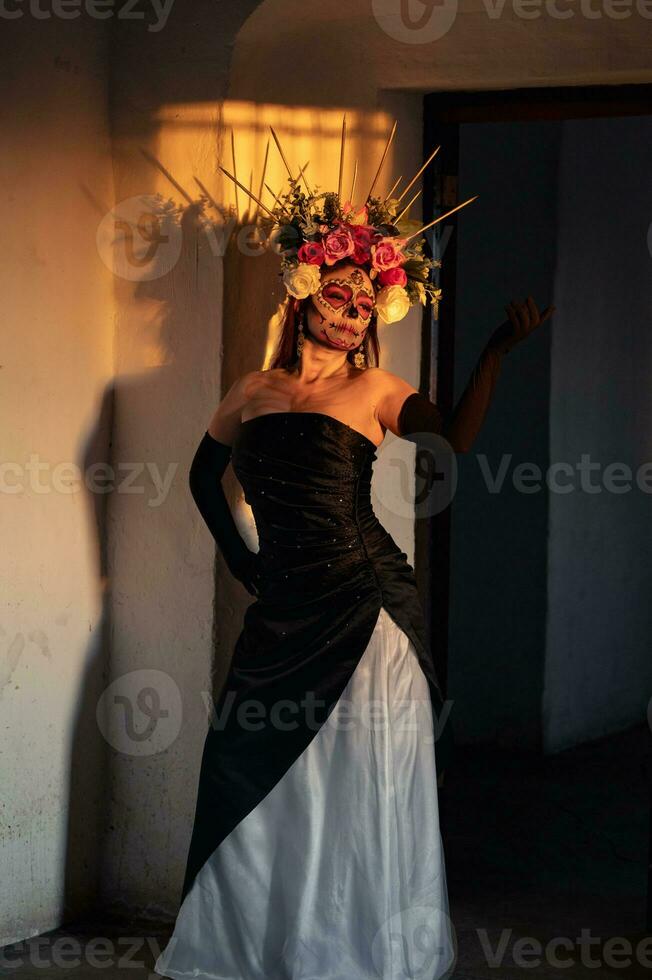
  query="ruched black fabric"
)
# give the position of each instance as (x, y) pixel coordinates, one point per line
(325, 568)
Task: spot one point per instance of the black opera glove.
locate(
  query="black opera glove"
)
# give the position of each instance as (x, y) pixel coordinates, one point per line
(205, 479)
(522, 320)
(419, 414)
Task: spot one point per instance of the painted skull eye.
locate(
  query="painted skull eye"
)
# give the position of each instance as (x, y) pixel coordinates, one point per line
(365, 305)
(336, 295)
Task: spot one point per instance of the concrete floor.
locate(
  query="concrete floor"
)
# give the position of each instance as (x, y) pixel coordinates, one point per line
(534, 850)
(547, 849)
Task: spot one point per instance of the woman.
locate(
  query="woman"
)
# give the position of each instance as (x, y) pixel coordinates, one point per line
(316, 850)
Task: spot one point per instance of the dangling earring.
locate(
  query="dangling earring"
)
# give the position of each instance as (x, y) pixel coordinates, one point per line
(300, 340)
(360, 356)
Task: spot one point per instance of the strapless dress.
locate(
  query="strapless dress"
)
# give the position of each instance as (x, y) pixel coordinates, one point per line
(316, 851)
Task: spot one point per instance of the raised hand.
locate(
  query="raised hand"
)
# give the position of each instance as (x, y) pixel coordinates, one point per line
(523, 319)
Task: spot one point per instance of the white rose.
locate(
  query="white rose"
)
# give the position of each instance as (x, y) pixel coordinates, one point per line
(392, 303)
(302, 280)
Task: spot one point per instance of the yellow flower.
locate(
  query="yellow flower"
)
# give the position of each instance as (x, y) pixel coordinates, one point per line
(421, 291)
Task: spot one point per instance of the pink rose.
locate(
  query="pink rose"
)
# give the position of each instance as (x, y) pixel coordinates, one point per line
(337, 245)
(396, 276)
(386, 253)
(311, 253)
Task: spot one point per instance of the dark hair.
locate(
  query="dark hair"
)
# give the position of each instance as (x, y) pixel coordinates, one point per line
(285, 355)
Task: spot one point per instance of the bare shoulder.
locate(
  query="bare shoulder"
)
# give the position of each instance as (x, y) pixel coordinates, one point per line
(226, 418)
(389, 391)
(387, 385)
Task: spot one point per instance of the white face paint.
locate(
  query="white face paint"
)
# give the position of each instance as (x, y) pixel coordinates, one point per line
(340, 312)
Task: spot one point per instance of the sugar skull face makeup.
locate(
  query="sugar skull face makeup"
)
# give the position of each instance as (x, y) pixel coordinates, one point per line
(341, 309)
(347, 296)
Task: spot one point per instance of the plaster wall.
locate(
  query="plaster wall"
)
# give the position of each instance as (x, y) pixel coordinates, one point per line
(57, 349)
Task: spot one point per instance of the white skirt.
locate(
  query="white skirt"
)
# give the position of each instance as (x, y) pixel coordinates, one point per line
(338, 873)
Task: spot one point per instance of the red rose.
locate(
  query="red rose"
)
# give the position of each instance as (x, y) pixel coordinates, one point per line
(363, 238)
(312, 253)
(396, 276)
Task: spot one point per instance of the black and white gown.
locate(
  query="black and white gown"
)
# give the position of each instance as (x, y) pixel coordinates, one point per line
(316, 851)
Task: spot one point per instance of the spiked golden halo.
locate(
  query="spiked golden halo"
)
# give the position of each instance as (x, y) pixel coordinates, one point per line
(313, 230)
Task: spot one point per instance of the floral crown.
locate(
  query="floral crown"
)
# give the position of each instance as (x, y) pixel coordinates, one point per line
(312, 230)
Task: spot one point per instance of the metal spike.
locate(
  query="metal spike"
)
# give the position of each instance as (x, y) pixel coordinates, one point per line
(301, 176)
(252, 196)
(382, 160)
(280, 150)
(355, 177)
(235, 175)
(389, 193)
(262, 179)
(342, 144)
(277, 199)
(405, 210)
(419, 172)
(441, 218)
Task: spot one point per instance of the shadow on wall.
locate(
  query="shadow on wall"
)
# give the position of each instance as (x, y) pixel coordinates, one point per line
(153, 556)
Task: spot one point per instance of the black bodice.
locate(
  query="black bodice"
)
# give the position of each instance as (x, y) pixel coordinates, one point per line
(307, 477)
(325, 568)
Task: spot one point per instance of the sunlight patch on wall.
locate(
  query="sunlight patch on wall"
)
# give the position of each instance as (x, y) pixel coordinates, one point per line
(197, 137)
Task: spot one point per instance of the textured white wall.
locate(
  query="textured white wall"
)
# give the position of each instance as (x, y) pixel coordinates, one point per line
(167, 384)
(161, 567)
(364, 46)
(57, 332)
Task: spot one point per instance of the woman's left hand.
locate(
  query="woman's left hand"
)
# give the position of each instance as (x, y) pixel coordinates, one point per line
(524, 318)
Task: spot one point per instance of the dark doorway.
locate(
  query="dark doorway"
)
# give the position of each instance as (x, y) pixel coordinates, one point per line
(538, 595)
